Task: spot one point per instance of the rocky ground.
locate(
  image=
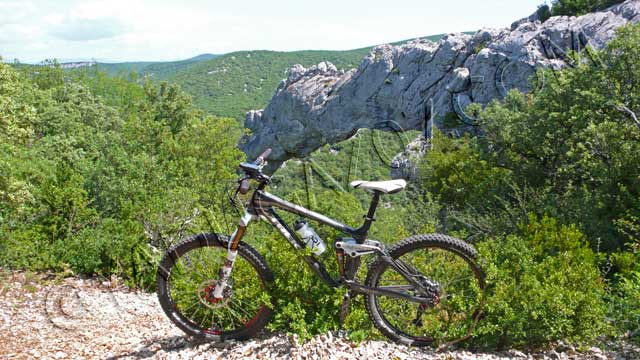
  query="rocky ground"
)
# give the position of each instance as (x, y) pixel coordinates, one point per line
(46, 317)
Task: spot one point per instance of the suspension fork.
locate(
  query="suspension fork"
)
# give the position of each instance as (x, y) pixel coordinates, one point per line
(232, 252)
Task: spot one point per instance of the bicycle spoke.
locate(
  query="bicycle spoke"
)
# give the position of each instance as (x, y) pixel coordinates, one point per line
(193, 277)
(448, 285)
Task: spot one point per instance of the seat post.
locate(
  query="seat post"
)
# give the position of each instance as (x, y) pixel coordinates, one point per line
(373, 206)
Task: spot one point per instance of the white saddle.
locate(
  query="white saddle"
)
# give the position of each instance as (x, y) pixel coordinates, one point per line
(387, 187)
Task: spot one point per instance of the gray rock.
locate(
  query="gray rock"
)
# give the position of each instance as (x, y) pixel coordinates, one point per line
(404, 165)
(417, 84)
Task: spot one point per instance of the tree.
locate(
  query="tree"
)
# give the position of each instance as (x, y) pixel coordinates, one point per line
(580, 7)
(570, 151)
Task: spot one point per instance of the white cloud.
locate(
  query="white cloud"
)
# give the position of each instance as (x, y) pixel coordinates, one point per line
(12, 13)
(18, 34)
(89, 29)
(170, 29)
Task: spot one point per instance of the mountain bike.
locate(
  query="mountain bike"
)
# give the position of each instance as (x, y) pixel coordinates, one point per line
(423, 290)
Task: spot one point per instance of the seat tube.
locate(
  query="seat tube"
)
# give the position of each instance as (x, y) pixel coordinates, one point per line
(369, 218)
(232, 252)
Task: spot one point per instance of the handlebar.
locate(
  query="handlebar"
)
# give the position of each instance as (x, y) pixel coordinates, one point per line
(244, 184)
(262, 157)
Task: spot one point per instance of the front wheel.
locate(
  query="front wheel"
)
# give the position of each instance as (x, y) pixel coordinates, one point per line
(187, 275)
(452, 289)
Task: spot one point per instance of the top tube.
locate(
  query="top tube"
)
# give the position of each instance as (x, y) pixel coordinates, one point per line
(263, 200)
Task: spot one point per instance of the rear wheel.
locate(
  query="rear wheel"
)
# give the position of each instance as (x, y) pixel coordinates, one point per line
(187, 275)
(451, 295)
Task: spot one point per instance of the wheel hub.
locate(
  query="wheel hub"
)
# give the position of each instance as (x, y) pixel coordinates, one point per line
(432, 289)
(206, 297)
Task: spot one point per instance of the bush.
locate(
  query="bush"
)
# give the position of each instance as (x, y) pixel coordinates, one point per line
(544, 286)
(630, 305)
(543, 13)
(580, 7)
(624, 294)
(304, 305)
(95, 171)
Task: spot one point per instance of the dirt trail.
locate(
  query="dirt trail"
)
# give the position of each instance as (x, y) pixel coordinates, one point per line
(91, 319)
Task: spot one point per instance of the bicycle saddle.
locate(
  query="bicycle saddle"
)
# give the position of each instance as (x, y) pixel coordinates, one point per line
(387, 187)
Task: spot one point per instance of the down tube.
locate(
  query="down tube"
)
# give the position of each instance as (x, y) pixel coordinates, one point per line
(284, 229)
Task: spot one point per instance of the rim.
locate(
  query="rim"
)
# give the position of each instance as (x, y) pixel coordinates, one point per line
(192, 278)
(454, 304)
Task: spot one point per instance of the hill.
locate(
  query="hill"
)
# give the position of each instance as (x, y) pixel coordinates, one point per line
(232, 84)
(155, 69)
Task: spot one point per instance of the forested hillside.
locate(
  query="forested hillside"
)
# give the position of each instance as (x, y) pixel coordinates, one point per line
(235, 83)
(156, 70)
(231, 84)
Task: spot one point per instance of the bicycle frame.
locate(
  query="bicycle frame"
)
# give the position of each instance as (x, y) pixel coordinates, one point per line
(262, 205)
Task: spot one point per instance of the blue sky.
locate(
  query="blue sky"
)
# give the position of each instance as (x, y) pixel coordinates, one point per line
(127, 30)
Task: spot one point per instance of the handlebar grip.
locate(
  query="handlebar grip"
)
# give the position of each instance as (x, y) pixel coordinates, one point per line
(263, 156)
(244, 186)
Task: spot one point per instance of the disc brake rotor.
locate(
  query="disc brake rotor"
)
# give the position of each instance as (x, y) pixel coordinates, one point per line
(205, 295)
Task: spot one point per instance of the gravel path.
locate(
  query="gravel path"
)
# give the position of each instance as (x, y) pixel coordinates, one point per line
(77, 319)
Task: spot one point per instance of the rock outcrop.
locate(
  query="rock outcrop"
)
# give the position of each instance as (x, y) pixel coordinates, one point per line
(420, 84)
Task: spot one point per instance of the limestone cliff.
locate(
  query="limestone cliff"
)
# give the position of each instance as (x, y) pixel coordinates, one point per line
(420, 84)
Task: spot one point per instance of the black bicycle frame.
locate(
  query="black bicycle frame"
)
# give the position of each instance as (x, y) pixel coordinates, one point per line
(263, 204)
(263, 200)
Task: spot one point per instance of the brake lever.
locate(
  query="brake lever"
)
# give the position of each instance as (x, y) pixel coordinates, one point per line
(244, 186)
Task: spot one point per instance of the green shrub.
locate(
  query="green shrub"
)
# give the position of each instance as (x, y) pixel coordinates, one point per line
(95, 171)
(545, 286)
(543, 13)
(628, 310)
(624, 294)
(580, 7)
(304, 305)
(451, 120)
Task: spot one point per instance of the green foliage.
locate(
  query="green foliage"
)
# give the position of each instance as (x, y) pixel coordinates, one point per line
(625, 305)
(569, 152)
(155, 70)
(545, 287)
(17, 115)
(543, 12)
(580, 7)
(451, 120)
(304, 305)
(97, 169)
